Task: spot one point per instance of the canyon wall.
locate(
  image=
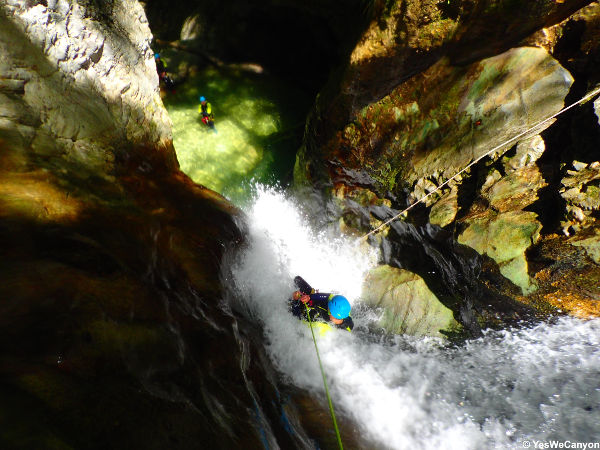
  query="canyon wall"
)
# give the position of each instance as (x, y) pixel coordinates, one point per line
(432, 87)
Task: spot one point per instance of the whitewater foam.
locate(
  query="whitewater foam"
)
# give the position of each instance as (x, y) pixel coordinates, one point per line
(501, 390)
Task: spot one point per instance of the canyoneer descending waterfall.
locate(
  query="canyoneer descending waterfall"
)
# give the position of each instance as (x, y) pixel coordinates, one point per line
(322, 307)
(332, 307)
(406, 392)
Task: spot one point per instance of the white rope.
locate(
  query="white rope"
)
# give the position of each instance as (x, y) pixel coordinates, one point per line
(479, 159)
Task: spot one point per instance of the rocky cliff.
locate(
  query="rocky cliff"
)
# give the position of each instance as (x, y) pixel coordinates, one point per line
(432, 87)
(79, 83)
(111, 333)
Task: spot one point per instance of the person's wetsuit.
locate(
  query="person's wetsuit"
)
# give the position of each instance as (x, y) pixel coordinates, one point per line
(317, 306)
(207, 116)
(161, 69)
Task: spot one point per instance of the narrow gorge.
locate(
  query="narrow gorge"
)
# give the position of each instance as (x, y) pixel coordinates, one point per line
(146, 259)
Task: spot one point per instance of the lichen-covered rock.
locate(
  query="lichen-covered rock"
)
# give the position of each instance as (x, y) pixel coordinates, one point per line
(421, 140)
(528, 152)
(409, 307)
(581, 191)
(504, 237)
(569, 280)
(591, 245)
(435, 124)
(445, 209)
(413, 108)
(405, 39)
(503, 230)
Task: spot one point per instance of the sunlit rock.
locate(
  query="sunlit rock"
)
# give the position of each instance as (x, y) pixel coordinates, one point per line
(591, 246)
(502, 231)
(504, 237)
(581, 191)
(409, 307)
(482, 107)
(192, 28)
(444, 210)
(569, 280)
(528, 152)
(80, 90)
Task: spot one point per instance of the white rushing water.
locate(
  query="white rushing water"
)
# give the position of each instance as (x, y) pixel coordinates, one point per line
(509, 389)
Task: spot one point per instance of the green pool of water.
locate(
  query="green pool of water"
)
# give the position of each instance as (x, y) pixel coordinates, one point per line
(259, 123)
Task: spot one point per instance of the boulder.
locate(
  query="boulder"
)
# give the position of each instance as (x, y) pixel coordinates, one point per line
(409, 307)
(445, 209)
(591, 245)
(504, 237)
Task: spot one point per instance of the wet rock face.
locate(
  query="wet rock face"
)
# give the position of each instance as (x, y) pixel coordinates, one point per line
(459, 278)
(79, 82)
(503, 229)
(431, 88)
(111, 330)
(409, 307)
(432, 126)
(405, 38)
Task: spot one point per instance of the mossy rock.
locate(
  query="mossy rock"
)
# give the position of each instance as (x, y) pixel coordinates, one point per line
(504, 237)
(409, 307)
(591, 245)
(444, 210)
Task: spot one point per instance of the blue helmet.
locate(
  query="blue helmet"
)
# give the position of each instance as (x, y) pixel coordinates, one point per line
(156, 56)
(202, 99)
(339, 307)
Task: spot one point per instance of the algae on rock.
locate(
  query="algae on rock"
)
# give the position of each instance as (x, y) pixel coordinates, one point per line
(409, 307)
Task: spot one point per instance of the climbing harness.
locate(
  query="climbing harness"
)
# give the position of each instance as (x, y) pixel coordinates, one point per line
(472, 163)
(337, 431)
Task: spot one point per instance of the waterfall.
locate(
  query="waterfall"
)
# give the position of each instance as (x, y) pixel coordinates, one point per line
(507, 389)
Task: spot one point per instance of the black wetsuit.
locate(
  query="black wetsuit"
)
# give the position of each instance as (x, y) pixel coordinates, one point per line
(317, 306)
(161, 68)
